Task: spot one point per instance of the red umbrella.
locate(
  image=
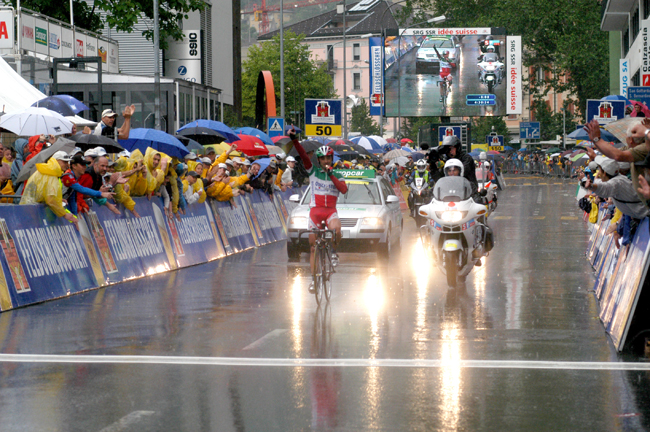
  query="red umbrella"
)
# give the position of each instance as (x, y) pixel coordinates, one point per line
(406, 141)
(341, 142)
(391, 140)
(251, 146)
(281, 140)
(491, 152)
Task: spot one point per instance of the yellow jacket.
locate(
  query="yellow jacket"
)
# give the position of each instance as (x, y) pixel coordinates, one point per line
(122, 195)
(138, 182)
(45, 187)
(278, 178)
(220, 191)
(223, 157)
(238, 181)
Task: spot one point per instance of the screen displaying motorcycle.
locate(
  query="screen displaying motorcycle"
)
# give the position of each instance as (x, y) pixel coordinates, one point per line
(445, 72)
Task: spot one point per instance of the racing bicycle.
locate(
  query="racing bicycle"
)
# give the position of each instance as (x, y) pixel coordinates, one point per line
(445, 89)
(323, 267)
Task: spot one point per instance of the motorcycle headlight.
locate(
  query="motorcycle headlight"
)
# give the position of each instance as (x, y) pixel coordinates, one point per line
(298, 221)
(372, 221)
(450, 216)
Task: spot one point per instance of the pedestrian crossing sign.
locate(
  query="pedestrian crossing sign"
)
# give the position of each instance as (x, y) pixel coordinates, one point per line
(275, 126)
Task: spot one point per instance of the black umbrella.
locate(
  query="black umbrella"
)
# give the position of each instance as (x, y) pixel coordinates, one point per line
(308, 145)
(29, 168)
(88, 141)
(191, 145)
(202, 135)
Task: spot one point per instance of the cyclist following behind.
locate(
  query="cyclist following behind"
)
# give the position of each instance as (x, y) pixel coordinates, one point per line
(325, 188)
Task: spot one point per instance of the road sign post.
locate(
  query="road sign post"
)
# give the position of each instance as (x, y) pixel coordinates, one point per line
(275, 126)
(605, 112)
(445, 131)
(324, 117)
(494, 140)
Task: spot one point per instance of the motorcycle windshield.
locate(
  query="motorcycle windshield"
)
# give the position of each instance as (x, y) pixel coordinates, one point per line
(452, 189)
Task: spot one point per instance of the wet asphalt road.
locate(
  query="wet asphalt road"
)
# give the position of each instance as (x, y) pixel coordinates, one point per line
(420, 95)
(396, 350)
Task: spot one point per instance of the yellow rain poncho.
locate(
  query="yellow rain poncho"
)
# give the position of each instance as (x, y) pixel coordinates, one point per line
(45, 187)
(157, 173)
(191, 164)
(140, 182)
(220, 191)
(122, 196)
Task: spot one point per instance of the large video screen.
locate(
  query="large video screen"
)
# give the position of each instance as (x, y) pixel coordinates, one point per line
(419, 66)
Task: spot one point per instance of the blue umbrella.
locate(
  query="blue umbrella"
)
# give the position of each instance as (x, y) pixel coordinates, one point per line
(287, 128)
(263, 163)
(416, 156)
(256, 133)
(216, 126)
(615, 98)
(142, 138)
(410, 150)
(507, 148)
(367, 143)
(323, 140)
(63, 104)
(581, 134)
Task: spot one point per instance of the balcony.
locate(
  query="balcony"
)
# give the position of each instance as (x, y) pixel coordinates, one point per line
(615, 14)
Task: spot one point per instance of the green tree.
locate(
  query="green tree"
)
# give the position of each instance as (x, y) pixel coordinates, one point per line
(121, 15)
(303, 77)
(558, 36)
(552, 124)
(482, 126)
(411, 127)
(360, 120)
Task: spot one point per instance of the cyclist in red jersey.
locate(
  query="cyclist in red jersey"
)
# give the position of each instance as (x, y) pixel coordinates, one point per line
(325, 188)
(445, 74)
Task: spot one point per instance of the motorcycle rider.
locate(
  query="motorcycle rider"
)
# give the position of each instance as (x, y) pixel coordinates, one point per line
(454, 167)
(488, 49)
(419, 172)
(451, 148)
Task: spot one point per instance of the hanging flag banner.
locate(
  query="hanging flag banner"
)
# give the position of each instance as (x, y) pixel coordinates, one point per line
(513, 73)
(376, 76)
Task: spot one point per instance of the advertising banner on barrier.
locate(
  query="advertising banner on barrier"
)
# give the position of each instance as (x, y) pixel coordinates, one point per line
(131, 247)
(618, 308)
(252, 219)
(235, 224)
(267, 216)
(195, 238)
(43, 257)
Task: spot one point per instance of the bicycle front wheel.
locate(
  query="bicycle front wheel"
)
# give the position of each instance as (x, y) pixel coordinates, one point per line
(326, 257)
(318, 275)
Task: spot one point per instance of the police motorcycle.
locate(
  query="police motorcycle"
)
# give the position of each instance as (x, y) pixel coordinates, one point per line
(457, 235)
(491, 70)
(420, 192)
(486, 183)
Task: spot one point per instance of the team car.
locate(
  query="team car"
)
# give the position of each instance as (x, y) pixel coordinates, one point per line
(427, 60)
(371, 219)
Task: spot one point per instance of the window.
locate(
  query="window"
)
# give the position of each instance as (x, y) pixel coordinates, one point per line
(636, 79)
(646, 9)
(539, 74)
(626, 42)
(330, 57)
(512, 116)
(356, 52)
(635, 24)
(356, 78)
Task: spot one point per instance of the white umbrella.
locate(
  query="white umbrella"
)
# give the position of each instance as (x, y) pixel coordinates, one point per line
(380, 140)
(81, 122)
(401, 160)
(396, 153)
(35, 121)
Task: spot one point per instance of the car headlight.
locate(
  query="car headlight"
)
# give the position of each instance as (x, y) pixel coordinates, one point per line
(450, 215)
(298, 221)
(372, 221)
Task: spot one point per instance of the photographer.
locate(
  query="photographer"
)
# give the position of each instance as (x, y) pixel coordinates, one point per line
(96, 178)
(451, 149)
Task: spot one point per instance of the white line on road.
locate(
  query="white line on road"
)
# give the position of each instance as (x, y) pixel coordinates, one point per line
(263, 339)
(127, 421)
(314, 362)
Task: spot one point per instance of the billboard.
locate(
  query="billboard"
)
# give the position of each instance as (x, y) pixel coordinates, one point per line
(420, 63)
(183, 57)
(6, 28)
(376, 84)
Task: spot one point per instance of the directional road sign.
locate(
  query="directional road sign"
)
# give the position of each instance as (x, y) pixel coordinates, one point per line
(529, 130)
(639, 94)
(323, 117)
(275, 126)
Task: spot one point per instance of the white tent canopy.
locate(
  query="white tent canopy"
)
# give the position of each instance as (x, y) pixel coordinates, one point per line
(16, 93)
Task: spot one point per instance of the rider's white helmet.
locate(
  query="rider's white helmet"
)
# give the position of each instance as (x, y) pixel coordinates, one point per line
(454, 163)
(421, 165)
(482, 156)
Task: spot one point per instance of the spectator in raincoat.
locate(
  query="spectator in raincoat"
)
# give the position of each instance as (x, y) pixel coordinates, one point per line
(6, 186)
(44, 186)
(73, 191)
(159, 165)
(122, 191)
(223, 157)
(220, 188)
(191, 196)
(37, 143)
(94, 178)
(142, 180)
(20, 145)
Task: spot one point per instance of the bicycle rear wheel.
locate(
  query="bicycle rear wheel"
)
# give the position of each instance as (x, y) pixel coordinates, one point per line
(326, 257)
(318, 275)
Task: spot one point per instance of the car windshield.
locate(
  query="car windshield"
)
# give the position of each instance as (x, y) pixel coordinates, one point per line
(438, 43)
(452, 189)
(490, 57)
(359, 192)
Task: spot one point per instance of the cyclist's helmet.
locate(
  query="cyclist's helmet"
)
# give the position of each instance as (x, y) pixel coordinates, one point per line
(482, 156)
(421, 165)
(455, 163)
(324, 151)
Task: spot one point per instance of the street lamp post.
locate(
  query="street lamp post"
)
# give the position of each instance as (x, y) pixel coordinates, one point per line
(282, 58)
(156, 56)
(345, 71)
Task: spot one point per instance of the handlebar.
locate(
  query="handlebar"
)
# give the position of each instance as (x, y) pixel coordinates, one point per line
(316, 231)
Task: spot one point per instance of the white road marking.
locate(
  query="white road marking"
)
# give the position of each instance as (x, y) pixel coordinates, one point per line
(314, 362)
(539, 197)
(127, 421)
(263, 339)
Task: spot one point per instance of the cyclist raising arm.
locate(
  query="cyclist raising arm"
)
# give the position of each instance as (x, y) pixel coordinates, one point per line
(325, 188)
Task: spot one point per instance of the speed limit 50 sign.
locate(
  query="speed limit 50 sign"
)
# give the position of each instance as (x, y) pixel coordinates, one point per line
(323, 117)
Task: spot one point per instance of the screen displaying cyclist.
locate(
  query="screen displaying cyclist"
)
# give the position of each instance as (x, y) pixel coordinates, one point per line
(326, 185)
(446, 80)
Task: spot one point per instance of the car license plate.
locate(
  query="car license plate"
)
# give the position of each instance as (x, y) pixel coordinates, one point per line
(345, 233)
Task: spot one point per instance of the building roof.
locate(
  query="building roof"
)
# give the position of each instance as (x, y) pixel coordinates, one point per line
(362, 17)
